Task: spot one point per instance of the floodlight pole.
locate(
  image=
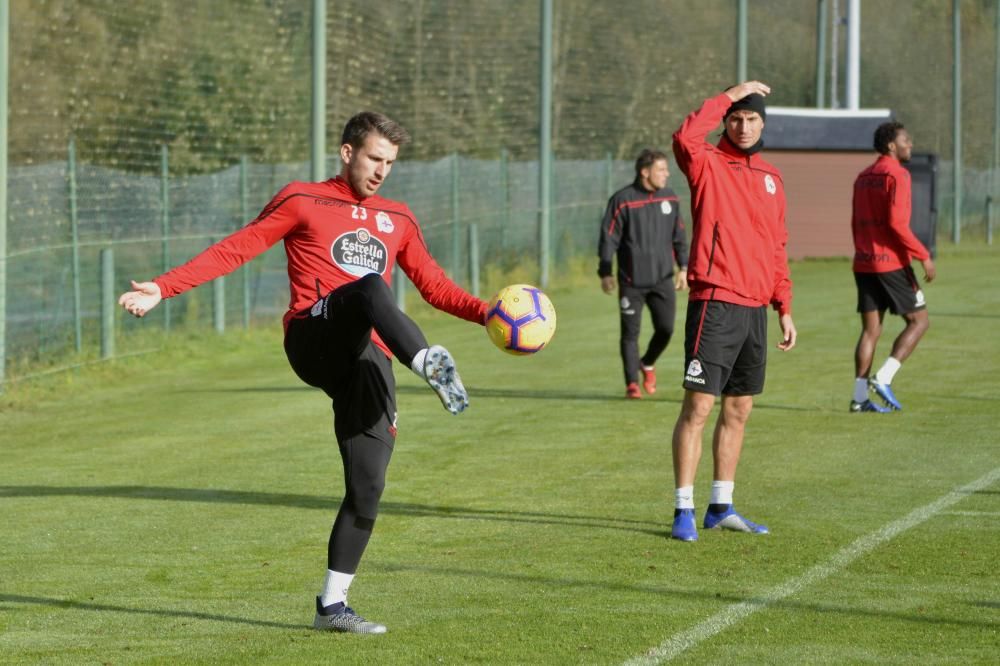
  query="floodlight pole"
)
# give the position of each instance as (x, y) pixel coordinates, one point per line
(956, 21)
(545, 146)
(741, 41)
(996, 126)
(854, 54)
(821, 54)
(318, 148)
(4, 82)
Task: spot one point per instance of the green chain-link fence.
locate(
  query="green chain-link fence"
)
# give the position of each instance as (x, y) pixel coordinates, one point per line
(153, 128)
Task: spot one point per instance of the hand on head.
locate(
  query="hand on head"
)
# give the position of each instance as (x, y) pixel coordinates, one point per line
(741, 90)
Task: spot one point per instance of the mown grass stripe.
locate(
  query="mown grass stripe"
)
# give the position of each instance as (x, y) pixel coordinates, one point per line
(680, 643)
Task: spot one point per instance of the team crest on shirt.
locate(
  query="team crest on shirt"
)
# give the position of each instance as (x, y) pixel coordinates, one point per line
(384, 222)
(769, 184)
(359, 253)
(666, 207)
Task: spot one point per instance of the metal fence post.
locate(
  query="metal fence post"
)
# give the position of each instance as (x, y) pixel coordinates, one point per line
(474, 259)
(505, 193)
(75, 231)
(107, 303)
(165, 224)
(989, 219)
(244, 215)
(219, 304)
(956, 204)
(455, 242)
(399, 287)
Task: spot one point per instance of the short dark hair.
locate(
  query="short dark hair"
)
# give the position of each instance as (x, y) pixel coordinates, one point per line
(362, 124)
(647, 158)
(885, 134)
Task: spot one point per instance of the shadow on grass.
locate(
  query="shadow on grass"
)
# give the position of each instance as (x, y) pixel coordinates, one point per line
(108, 608)
(514, 393)
(604, 586)
(298, 501)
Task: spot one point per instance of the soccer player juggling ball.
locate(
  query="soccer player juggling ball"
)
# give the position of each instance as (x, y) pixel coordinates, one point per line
(737, 266)
(342, 325)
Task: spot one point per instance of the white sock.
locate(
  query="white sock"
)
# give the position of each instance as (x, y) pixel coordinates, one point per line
(887, 371)
(335, 587)
(684, 497)
(860, 389)
(417, 365)
(722, 492)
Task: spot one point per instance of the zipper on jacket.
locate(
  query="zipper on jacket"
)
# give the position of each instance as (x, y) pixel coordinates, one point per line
(711, 253)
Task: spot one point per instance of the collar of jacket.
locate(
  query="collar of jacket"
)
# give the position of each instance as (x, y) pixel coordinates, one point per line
(730, 148)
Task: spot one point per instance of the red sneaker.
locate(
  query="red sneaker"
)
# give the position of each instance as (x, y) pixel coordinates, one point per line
(649, 379)
(632, 392)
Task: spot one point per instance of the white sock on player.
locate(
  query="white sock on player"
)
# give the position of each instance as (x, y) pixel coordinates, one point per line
(335, 588)
(722, 492)
(684, 497)
(887, 371)
(417, 365)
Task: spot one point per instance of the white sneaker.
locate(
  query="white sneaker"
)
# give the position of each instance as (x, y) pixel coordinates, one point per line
(440, 373)
(340, 617)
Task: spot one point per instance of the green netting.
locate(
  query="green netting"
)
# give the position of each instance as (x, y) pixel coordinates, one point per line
(220, 83)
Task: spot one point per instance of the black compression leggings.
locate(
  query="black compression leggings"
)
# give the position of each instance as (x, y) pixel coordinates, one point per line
(365, 461)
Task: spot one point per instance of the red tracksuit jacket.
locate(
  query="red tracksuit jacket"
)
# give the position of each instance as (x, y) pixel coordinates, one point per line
(738, 235)
(332, 237)
(880, 220)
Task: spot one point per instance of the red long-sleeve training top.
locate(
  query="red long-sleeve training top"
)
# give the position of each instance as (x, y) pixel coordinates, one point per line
(880, 222)
(738, 234)
(332, 237)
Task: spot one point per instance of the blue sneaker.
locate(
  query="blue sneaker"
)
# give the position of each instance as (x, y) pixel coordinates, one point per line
(730, 520)
(868, 406)
(884, 391)
(684, 527)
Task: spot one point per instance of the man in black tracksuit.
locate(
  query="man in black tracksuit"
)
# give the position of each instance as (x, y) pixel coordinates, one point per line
(643, 227)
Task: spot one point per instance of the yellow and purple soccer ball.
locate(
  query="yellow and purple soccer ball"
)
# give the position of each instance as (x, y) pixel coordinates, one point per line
(521, 319)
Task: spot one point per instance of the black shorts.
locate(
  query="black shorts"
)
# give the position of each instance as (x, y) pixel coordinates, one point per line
(896, 291)
(359, 381)
(725, 348)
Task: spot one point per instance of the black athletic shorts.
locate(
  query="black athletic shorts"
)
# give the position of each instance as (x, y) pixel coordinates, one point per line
(725, 348)
(895, 291)
(358, 380)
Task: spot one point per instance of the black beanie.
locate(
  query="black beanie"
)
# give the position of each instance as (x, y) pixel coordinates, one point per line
(752, 102)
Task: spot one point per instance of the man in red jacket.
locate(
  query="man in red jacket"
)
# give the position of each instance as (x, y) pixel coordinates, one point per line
(342, 325)
(884, 247)
(737, 266)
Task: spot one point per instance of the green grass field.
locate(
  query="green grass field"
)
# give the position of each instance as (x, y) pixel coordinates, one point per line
(174, 507)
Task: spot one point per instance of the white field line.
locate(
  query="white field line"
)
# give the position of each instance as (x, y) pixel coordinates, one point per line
(730, 615)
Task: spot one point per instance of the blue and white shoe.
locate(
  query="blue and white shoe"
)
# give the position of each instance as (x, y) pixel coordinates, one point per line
(884, 391)
(730, 520)
(868, 406)
(684, 528)
(341, 617)
(441, 375)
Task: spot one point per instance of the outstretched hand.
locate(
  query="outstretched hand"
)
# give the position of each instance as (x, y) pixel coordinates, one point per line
(741, 90)
(144, 297)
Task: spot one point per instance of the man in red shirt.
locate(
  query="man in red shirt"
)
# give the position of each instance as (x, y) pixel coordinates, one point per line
(342, 325)
(884, 247)
(737, 266)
